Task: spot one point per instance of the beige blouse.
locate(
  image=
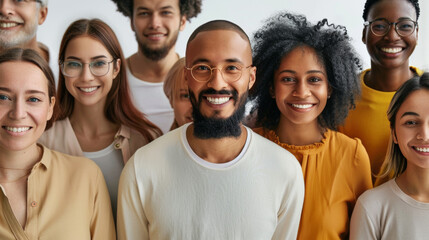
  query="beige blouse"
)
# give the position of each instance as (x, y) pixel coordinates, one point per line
(67, 199)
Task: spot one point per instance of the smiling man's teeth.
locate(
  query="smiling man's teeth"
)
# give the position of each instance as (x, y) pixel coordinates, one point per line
(8, 25)
(91, 89)
(17, 130)
(302, 105)
(422, 149)
(391, 50)
(221, 100)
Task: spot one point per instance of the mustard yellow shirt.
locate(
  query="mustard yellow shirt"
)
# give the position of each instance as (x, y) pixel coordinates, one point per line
(336, 171)
(368, 121)
(67, 200)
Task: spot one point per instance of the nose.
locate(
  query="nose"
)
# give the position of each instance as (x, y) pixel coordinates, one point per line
(18, 110)
(86, 73)
(423, 134)
(301, 90)
(216, 80)
(155, 21)
(392, 35)
(6, 7)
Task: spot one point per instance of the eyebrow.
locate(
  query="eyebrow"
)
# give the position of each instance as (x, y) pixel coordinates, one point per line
(308, 72)
(31, 91)
(93, 58)
(147, 9)
(229, 60)
(409, 114)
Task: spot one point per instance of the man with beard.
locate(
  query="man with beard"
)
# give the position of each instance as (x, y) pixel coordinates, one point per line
(214, 178)
(156, 24)
(18, 24)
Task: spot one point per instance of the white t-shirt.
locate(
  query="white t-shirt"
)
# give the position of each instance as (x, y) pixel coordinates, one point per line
(151, 100)
(165, 192)
(386, 212)
(111, 163)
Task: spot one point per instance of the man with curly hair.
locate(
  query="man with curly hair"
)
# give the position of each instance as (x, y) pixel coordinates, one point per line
(19, 21)
(390, 34)
(156, 24)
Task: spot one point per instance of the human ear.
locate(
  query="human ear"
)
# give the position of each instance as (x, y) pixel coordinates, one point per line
(43, 12)
(51, 108)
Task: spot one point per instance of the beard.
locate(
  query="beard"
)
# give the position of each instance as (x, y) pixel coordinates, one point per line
(156, 54)
(19, 39)
(214, 127)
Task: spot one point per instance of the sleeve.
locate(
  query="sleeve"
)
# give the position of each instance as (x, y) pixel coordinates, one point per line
(362, 165)
(132, 223)
(291, 208)
(361, 224)
(102, 225)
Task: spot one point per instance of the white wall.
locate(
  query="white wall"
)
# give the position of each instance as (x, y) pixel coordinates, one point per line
(249, 14)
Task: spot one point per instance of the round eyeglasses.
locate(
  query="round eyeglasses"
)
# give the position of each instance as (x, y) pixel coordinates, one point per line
(381, 27)
(73, 68)
(230, 72)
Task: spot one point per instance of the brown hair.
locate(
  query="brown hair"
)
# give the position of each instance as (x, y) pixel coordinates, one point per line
(119, 107)
(31, 56)
(174, 80)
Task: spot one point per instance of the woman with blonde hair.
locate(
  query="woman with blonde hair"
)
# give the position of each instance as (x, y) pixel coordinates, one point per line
(399, 208)
(176, 90)
(44, 194)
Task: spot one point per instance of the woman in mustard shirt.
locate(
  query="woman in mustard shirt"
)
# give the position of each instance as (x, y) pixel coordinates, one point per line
(44, 194)
(306, 82)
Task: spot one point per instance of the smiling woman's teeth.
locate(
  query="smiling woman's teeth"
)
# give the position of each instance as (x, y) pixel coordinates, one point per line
(391, 50)
(422, 149)
(17, 130)
(221, 100)
(302, 105)
(91, 89)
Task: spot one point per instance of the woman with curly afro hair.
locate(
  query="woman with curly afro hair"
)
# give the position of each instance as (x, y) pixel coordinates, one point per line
(305, 84)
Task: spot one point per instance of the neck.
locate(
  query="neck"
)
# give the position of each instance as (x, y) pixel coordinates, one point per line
(387, 80)
(151, 71)
(217, 150)
(94, 125)
(415, 183)
(298, 134)
(14, 163)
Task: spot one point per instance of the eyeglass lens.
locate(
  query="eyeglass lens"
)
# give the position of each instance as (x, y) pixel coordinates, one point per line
(203, 73)
(403, 27)
(74, 68)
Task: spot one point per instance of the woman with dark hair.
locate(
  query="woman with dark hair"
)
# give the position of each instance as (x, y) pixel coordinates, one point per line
(97, 118)
(305, 84)
(44, 194)
(390, 33)
(399, 208)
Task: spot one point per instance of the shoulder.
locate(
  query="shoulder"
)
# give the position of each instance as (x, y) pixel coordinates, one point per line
(271, 153)
(343, 143)
(73, 165)
(377, 197)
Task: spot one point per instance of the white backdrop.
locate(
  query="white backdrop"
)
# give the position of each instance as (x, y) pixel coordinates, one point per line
(249, 14)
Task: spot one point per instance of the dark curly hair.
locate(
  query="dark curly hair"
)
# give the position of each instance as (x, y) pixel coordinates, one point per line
(369, 3)
(189, 8)
(280, 35)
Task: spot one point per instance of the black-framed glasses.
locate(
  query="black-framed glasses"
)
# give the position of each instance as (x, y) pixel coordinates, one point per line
(230, 72)
(73, 68)
(403, 27)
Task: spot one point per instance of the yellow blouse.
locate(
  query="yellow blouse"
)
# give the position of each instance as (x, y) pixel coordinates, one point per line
(67, 199)
(368, 121)
(336, 171)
